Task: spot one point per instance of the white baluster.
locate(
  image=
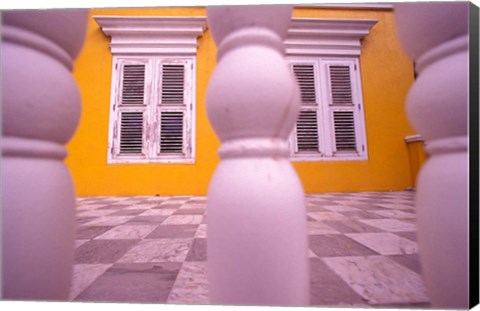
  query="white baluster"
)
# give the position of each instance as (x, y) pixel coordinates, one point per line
(257, 241)
(435, 36)
(41, 110)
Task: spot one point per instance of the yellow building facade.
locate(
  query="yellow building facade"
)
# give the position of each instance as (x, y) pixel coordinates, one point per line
(385, 75)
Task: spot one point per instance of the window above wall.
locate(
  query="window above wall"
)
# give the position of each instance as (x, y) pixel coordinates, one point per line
(323, 55)
(152, 106)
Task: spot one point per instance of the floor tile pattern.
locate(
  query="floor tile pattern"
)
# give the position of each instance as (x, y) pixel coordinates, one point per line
(362, 250)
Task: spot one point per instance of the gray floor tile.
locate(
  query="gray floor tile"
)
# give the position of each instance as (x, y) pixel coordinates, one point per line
(385, 243)
(167, 205)
(146, 220)
(349, 226)
(115, 206)
(391, 225)
(89, 232)
(135, 282)
(158, 250)
(102, 251)
(191, 286)
(361, 215)
(411, 261)
(378, 279)
(333, 245)
(327, 288)
(173, 231)
(190, 211)
(198, 251)
(128, 212)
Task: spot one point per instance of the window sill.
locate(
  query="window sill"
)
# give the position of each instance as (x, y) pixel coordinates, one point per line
(327, 159)
(152, 161)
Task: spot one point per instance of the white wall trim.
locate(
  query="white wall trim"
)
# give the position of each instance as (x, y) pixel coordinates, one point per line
(326, 37)
(414, 138)
(347, 6)
(152, 35)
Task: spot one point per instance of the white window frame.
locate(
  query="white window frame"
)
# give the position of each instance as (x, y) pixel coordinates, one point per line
(152, 111)
(325, 125)
(153, 39)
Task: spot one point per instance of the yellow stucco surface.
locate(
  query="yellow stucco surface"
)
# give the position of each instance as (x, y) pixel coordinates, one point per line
(386, 77)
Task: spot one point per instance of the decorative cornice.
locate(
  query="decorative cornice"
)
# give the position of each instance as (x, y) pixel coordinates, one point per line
(135, 35)
(152, 34)
(326, 37)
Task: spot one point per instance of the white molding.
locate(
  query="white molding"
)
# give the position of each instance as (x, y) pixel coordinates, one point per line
(153, 35)
(326, 37)
(317, 158)
(347, 6)
(414, 138)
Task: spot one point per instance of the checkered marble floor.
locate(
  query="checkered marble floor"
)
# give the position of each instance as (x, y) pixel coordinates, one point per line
(362, 249)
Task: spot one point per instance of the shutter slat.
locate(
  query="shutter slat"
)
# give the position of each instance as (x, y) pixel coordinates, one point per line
(173, 84)
(344, 125)
(340, 85)
(307, 131)
(131, 132)
(171, 132)
(133, 85)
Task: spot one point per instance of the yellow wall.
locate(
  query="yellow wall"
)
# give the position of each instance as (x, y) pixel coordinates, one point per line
(386, 77)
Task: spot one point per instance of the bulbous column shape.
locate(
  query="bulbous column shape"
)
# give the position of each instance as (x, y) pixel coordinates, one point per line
(40, 112)
(257, 239)
(435, 36)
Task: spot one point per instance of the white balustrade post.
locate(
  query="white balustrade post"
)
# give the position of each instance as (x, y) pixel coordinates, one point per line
(435, 36)
(257, 239)
(40, 112)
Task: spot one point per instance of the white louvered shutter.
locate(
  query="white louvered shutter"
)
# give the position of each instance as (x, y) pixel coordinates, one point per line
(174, 105)
(342, 107)
(306, 128)
(131, 109)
